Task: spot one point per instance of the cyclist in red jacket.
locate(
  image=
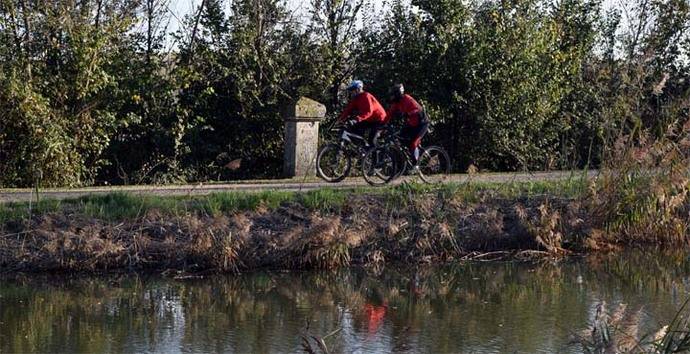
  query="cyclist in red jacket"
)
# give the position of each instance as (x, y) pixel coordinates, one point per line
(416, 122)
(365, 113)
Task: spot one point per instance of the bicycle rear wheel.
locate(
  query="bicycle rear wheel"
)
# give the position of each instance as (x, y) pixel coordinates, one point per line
(333, 164)
(434, 165)
(379, 166)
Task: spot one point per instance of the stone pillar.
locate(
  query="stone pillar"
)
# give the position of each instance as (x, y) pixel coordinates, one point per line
(302, 137)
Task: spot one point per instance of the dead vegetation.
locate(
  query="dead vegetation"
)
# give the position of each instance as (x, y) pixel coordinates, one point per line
(427, 228)
(288, 237)
(621, 331)
(640, 198)
(641, 195)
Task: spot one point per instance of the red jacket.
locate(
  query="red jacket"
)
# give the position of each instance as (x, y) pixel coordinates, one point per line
(408, 107)
(366, 107)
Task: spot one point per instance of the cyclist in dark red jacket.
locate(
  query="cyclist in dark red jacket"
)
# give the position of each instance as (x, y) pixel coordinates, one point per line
(365, 113)
(416, 122)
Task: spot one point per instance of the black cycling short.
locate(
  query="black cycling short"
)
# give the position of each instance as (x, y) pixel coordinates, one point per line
(412, 136)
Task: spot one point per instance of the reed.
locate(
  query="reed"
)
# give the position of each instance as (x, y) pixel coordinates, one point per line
(620, 332)
(641, 195)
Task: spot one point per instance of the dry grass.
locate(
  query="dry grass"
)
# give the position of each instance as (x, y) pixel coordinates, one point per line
(640, 198)
(364, 230)
(620, 332)
(432, 227)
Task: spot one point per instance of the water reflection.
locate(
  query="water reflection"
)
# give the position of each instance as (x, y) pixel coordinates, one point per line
(493, 307)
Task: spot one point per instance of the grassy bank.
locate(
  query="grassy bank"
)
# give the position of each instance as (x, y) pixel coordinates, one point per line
(238, 231)
(410, 223)
(126, 206)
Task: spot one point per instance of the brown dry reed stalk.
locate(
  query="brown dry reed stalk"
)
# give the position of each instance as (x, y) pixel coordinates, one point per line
(641, 194)
(620, 332)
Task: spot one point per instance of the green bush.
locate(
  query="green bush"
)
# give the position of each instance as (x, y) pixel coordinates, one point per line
(90, 92)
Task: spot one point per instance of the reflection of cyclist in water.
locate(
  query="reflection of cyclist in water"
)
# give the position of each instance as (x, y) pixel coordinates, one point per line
(375, 310)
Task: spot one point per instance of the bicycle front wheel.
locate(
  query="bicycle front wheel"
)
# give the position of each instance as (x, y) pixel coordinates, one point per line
(333, 164)
(434, 165)
(379, 166)
(401, 158)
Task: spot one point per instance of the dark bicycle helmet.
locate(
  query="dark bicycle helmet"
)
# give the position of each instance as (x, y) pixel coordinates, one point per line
(397, 91)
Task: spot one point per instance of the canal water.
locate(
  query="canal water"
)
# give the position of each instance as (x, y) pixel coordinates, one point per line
(493, 307)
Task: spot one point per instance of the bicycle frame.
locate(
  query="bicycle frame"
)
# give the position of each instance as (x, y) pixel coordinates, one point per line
(351, 143)
(393, 140)
(348, 137)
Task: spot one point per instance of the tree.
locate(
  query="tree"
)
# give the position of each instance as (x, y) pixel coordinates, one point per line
(334, 28)
(93, 91)
(147, 144)
(54, 84)
(236, 86)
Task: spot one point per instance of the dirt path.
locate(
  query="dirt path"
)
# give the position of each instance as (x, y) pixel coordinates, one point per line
(20, 195)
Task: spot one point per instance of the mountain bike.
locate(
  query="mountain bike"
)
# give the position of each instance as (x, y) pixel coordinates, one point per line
(334, 160)
(390, 154)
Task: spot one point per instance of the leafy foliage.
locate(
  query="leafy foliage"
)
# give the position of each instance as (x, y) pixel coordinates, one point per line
(101, 91)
